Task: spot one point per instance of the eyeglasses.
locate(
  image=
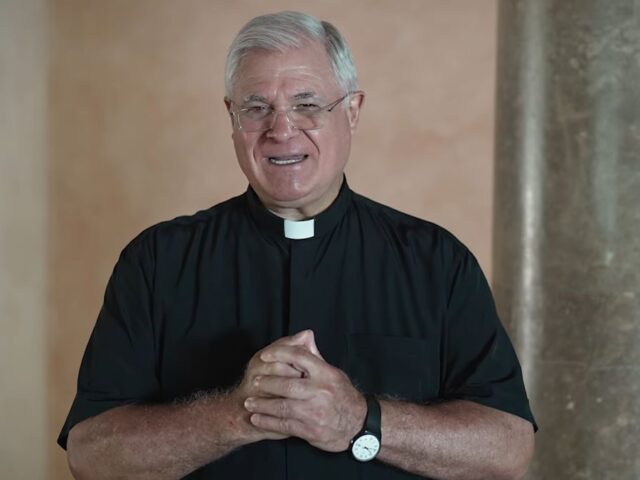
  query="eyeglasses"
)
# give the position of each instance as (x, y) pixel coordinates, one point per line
(305, 115)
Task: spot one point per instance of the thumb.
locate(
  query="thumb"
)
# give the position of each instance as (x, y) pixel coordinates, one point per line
(307, 339)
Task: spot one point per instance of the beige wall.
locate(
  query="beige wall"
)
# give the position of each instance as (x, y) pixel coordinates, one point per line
(138, 134)
(23, 238)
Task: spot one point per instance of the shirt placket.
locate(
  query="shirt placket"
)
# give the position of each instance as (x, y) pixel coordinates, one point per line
(305, 312)
(299, 319)
(299, 286)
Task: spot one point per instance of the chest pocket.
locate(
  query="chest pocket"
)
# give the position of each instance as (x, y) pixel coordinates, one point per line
(401, 367)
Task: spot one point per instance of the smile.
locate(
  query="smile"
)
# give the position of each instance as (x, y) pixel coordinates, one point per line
(287, 159)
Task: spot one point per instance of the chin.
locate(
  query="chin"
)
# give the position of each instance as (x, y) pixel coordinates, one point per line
(290, 198)
(290, 193)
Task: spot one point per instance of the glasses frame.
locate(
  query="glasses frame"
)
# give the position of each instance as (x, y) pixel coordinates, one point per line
(274, 114)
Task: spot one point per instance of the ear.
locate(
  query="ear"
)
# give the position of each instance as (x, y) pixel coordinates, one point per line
(356, 100)
(227, 104)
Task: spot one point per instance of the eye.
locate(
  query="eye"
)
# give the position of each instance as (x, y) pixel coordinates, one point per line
(306, 108)
(254, 111)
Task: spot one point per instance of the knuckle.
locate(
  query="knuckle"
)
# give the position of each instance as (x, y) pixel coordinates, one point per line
(292, 388)
(338, 376)
(284, 425)
(323, 418)
(319, 414)
(326, 395)
(333, 374)
(282, 408)
(254, 362)
(257, 356)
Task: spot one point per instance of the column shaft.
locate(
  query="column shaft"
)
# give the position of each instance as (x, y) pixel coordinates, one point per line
(567, 226)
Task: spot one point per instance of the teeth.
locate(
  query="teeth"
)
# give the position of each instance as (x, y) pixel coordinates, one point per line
(287, 160)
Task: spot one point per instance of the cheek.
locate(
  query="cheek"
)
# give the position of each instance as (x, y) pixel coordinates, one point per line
(328, 142)
(243, 146)
(337, 144)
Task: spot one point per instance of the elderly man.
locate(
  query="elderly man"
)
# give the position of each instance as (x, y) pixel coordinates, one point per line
(399, 367)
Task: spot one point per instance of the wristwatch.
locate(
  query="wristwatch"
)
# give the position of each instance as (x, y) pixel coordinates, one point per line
(366, 444)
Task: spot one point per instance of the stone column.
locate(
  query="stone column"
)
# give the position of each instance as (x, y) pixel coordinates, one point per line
(23, 238)
(567, 227)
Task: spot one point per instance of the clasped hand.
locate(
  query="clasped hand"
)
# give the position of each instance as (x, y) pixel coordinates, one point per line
(290, 390)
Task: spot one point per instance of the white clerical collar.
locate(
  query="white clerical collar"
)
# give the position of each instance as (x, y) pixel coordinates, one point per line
(299, 230)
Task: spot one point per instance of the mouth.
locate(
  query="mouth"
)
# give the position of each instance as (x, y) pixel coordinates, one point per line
(287, 159)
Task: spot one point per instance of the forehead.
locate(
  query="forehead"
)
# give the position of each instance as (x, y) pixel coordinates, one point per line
(267, 73)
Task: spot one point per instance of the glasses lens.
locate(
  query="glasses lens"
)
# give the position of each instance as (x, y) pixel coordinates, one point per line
(260, 119)
(305, 120)
(255, 119)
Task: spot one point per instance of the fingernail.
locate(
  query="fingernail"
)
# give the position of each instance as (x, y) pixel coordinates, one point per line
(249, 403)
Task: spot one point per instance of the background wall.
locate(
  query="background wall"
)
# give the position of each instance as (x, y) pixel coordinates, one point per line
(138, 134)
(23, 238)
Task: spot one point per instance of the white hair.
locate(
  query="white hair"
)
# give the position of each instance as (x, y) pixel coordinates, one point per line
(285, 30)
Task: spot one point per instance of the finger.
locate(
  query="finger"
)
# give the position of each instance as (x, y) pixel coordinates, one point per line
(308, 340)
(283, 426)
(277, 369)
(299, 357)
(297, 339)
(303, 338)
(277, 407)
(294, 388)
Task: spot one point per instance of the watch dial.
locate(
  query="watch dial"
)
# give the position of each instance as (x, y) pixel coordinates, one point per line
(365, 448)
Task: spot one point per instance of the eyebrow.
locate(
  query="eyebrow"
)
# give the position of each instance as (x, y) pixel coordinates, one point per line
(255, 98)
(297, 96)
(304, 95)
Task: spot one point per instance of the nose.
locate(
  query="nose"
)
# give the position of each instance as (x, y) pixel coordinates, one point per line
(281, 129)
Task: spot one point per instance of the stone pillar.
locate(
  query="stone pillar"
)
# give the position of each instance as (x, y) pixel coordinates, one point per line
(23, 238)
(567, 227)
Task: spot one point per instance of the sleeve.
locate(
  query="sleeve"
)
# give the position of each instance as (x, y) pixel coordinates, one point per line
(480, 363)
(118, 366)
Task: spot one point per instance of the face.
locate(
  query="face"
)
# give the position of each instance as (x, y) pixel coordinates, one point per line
(290, 169)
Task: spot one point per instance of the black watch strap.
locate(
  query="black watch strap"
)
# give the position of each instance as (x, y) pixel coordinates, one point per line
(374, 418)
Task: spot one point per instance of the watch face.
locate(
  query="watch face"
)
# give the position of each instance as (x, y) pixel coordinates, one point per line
(365, 447)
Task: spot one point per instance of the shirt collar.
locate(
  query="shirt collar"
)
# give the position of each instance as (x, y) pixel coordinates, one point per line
(322, 223)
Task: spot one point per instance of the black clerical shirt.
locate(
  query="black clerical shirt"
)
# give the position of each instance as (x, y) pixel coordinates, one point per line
(396, 302)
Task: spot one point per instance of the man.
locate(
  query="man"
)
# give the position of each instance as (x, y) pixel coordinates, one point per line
(399, 367)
